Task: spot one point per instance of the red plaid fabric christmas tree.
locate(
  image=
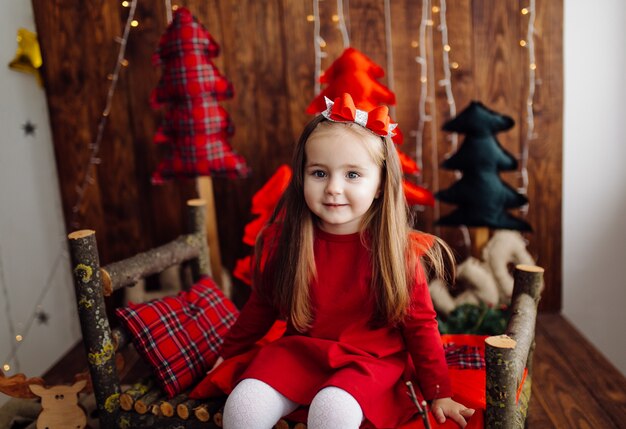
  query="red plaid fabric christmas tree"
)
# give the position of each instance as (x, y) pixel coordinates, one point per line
(195, 129)
(353, 72)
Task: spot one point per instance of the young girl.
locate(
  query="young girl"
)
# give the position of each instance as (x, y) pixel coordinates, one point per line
(339, 262)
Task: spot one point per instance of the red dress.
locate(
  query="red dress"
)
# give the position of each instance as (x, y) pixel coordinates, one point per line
(341, 349)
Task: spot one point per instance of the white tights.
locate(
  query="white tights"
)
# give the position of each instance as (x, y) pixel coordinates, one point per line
(254, 404)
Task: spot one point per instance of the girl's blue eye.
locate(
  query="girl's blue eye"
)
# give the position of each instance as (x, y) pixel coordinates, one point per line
(319, 173)
(353, 175)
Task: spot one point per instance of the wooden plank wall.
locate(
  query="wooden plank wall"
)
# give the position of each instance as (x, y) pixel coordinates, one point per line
(267, 52)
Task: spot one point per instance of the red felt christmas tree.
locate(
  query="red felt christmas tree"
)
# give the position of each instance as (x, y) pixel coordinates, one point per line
(195, 129)
(263, 204)
(353, 72)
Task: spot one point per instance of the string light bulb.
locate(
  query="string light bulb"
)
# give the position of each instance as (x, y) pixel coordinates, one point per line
(175, 7)
(6, 367)
(134, 23)
(454, 65)
(310, 18)
(435, 9)
(525, 11)
(522, 43)
(125, 3)
(446, 48)
(415, 44)
(18, 338)
(335, 18)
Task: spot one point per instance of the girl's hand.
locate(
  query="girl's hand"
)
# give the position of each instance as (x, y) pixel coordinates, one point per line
(446, 407)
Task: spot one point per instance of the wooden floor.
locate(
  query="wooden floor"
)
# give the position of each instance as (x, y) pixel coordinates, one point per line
(574, 386)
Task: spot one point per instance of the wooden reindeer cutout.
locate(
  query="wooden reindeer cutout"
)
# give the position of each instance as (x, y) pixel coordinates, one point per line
(60, 406)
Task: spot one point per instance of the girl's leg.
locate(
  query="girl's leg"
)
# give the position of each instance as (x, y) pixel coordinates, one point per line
(334, 408)
(255, 404)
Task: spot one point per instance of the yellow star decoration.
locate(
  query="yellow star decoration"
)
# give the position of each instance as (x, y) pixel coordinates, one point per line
(27, 56)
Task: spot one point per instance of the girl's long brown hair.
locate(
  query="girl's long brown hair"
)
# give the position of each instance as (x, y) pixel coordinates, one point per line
(288, 260)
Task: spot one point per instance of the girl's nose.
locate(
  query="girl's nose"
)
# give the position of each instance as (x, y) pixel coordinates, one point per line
(333, 186)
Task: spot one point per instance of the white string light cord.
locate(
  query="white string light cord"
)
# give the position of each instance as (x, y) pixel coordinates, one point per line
(342, 24)
(446, 83)
(318, 43)
(18, 337)
(7, 315)
(529, 43)
(390, 75)
(88, 178)
(422, 61)
(434, 143)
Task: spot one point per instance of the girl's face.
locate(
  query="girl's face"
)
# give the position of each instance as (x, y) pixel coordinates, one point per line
(341, 178)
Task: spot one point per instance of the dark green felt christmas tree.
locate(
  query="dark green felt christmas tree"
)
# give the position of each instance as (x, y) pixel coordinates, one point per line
(481, 196)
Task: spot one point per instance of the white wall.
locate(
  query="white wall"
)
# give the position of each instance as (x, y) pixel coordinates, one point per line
(33, 250)
(594, 174)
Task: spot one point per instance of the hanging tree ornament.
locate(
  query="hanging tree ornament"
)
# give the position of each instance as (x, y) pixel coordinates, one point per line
(27, 55)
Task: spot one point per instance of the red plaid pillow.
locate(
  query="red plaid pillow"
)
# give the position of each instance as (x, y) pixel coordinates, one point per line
(181, 336)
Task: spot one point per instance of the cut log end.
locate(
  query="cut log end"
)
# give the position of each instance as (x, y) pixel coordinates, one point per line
(202, 413)
(501, 342)
(107, 284)
(140, 407)
(196, 202)
(281, 424)
(182, 411)
(217, 419)
(530, 268)
(82, 233)
(126, 402)
(167, 409)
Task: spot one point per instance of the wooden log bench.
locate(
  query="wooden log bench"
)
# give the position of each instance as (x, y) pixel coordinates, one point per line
(145, 405)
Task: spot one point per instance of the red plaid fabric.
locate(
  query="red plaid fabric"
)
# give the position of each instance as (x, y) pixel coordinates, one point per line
(195, 130)
(180, 337)
(464, 356)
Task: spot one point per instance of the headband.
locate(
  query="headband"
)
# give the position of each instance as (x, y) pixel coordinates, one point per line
(343, 110)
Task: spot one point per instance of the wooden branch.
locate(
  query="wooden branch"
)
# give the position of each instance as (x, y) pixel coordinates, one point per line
(196, 225)
(184, 409)
(95, 325)
(527, 287)
(500, 386)
(507, 355)
(136, 391)
(130, 419)
(129, 271)
(168, 406)
(143, 403)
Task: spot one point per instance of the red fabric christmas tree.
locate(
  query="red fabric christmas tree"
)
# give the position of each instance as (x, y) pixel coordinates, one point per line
(195, 128)
(263, 204)
(353, 72)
